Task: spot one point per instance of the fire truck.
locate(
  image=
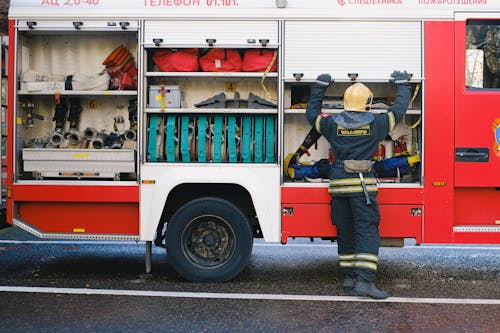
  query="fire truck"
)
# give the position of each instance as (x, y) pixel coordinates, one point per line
(171, 122)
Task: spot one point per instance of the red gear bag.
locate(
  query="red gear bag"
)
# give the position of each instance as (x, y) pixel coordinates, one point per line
(257, 60)
(221, 60)
(183, 60)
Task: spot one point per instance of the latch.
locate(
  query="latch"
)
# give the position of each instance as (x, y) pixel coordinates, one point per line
(157, 41)
(124, 25)
(77, 24)
(287, 211)
(211, 41)
(264, 42)
(31, 24)
(352, 76)
(415, 211)
(298, 76)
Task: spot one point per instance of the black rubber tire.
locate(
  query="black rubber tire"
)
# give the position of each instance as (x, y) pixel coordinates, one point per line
(209, 240)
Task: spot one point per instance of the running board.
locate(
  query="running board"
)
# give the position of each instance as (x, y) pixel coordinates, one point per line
(476, 228)
(45, 235)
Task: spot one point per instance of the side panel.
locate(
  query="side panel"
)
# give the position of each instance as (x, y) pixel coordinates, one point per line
(261, 181)
(477, 206)
(81, 217)
(477, 113)
(306, 213)
(477, 133)
(438, 132)
(78, 209)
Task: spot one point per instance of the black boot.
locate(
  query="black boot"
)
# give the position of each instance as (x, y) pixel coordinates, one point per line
(348, 283)
(366, 288)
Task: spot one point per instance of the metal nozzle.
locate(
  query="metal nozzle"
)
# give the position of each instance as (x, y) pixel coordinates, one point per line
(130, 134)
(74, 137)
(90, 133)
(56, 138)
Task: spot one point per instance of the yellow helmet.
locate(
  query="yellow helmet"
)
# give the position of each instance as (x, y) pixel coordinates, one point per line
(358, 98)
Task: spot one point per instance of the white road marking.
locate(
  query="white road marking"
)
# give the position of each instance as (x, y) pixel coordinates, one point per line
(242, 296)
(80, 242)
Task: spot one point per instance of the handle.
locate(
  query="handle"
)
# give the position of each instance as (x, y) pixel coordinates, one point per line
(472, 155)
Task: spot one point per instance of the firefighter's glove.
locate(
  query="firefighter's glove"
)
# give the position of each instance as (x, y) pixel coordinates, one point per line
(323, 80)
(290, 159)
(400, 78)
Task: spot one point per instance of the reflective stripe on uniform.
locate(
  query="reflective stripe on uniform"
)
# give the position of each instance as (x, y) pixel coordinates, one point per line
(317, 123)
(352, 185)
(347, 256)
(366, 264)
(392, 120)
(367, 256)
(347, 263)
(352, 189)
(352, 181)
(366, 260)
(347, 260)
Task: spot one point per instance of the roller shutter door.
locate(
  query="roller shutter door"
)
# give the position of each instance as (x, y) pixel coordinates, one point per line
(371, 49)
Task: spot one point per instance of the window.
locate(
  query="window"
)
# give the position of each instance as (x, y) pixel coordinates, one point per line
(482, 54)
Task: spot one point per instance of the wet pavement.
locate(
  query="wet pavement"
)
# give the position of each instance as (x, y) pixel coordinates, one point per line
(309, 270)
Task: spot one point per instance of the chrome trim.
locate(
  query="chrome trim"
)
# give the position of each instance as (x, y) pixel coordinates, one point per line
(476, 228)
(40, 234)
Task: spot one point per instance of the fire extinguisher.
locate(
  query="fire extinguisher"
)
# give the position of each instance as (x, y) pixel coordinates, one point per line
(380, 153)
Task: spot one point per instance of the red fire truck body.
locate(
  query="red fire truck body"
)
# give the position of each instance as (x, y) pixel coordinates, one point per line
(450, 47)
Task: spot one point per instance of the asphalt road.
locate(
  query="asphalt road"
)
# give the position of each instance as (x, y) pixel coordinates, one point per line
(75, 286)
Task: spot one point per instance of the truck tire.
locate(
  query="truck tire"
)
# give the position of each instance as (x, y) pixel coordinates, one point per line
(209, 240)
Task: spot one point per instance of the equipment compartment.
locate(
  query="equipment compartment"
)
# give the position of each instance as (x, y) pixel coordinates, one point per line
(78, 163)
(220, 110)
(220, 138)
(76, 101)
(402, 149)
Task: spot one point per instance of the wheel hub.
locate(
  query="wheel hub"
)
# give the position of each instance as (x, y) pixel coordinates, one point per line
(209, 241)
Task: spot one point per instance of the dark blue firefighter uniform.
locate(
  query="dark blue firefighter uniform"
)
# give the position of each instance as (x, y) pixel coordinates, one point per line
(355, 136)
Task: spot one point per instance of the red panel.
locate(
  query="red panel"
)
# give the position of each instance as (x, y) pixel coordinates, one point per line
(75, 193)
(305, 195)
(309, 220)
(79, 208)
(477, 206)
(319, 195)
(311, 212)
(476, 237)
(401, 221)
(439, 131)
(92, 218)
(476, 111)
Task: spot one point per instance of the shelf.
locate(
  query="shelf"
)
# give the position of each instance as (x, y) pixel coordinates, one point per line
(81, 93)
(347, 80)
(211, 111)
(324, 183)
(334, 111)
(211, 74)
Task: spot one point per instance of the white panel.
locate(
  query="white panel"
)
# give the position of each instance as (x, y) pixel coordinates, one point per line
(371, 49)
(261, 181)
(197, 32)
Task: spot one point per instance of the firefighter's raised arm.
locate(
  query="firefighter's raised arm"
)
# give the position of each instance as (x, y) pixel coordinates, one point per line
(315, 101)
(400, 79)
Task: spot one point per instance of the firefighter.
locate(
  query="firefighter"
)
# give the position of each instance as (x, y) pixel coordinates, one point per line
(354, 136)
